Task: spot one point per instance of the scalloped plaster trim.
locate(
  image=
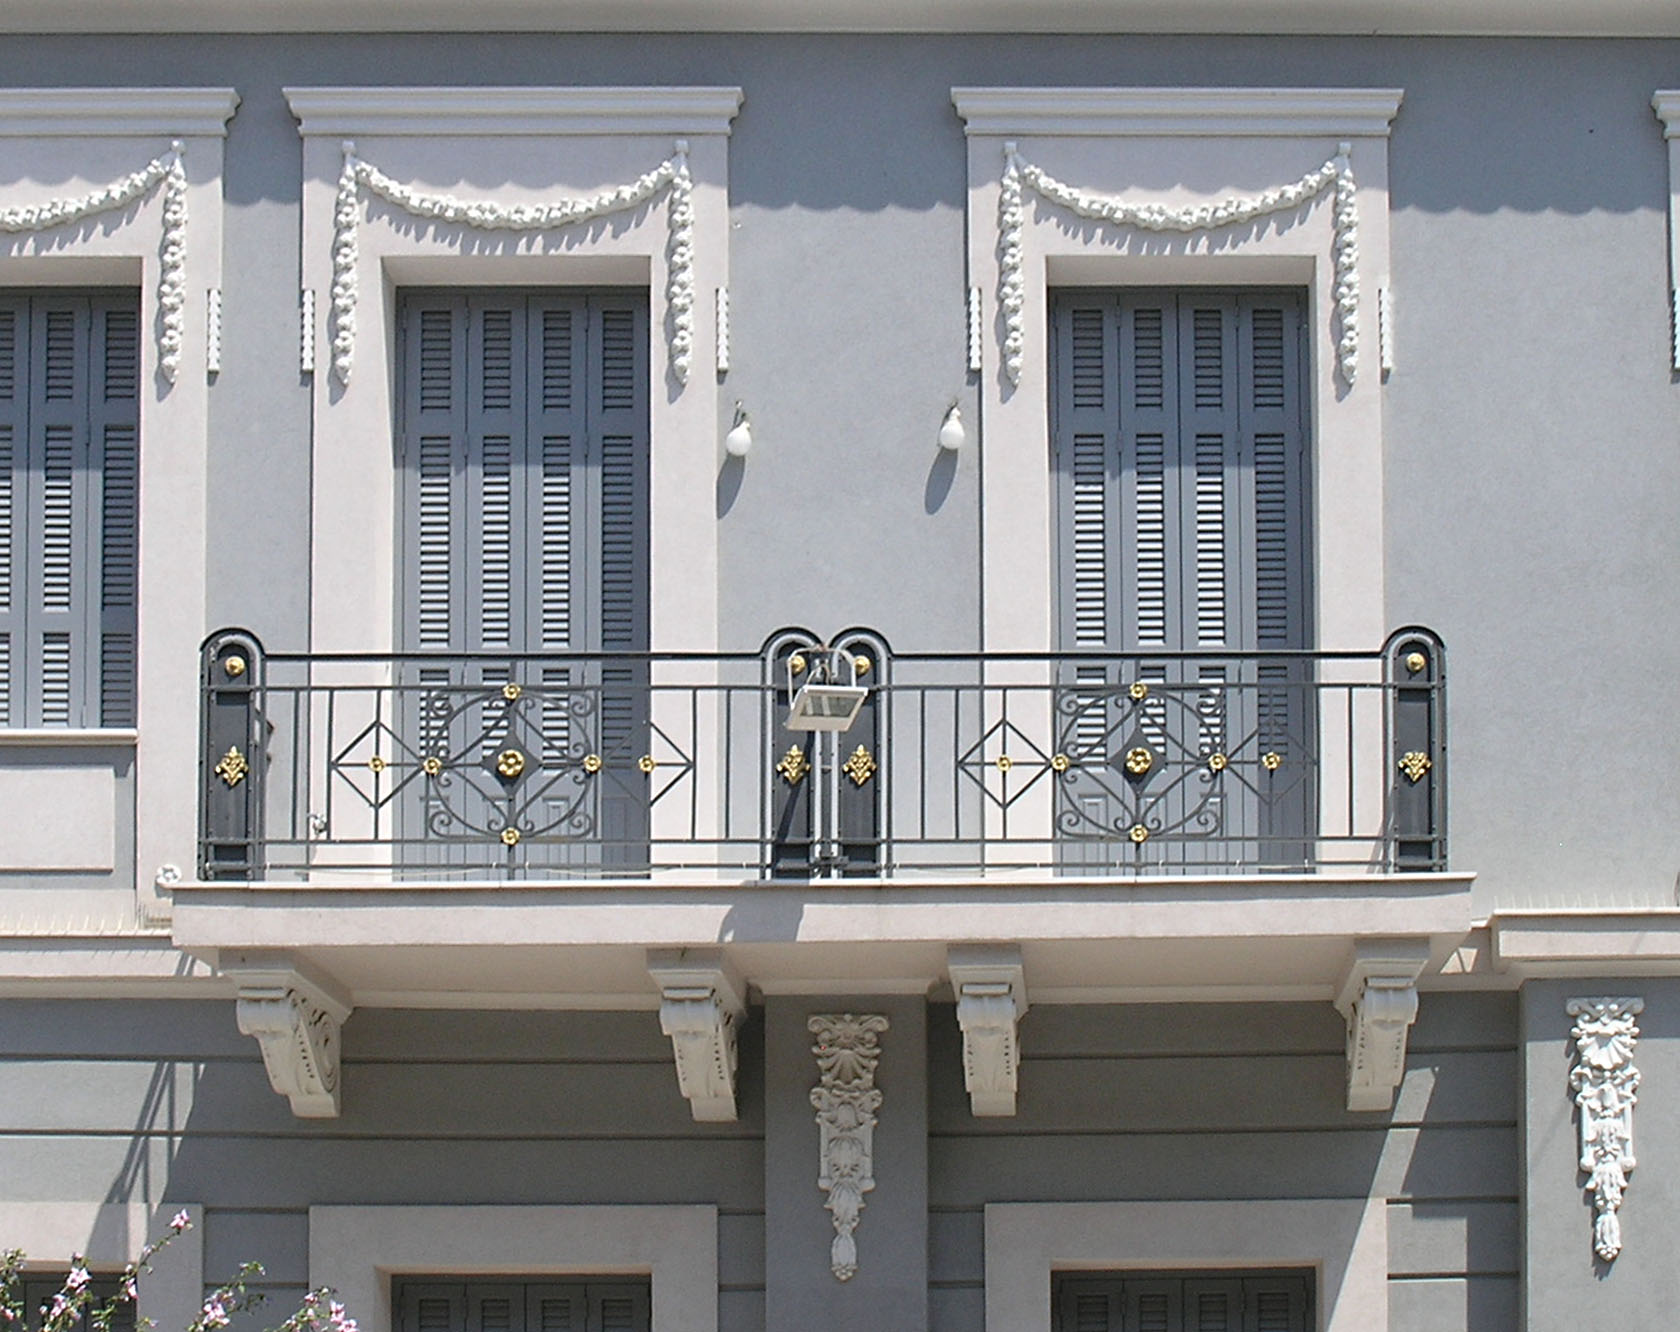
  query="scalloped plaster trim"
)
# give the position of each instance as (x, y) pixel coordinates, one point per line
(485, 214)
(1019, 174)
(1221, 112)
(501, 111)
(165, 169)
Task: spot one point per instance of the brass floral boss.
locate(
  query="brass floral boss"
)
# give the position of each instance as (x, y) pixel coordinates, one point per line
(510, 763)
(647, 763)
(234, 666)
(1139, 834)
(1414, 764)
(377, 764)
(1416, 661)
(592, 764)
(510, 836)
(794, 765)
(1004, 763)
(1271, 760)
(233, 767)
(1218, 762)
(1060, 762)
(860, 767)
(431, 765)
(511, 692)
(1139, 691)
(1139, 760)
(796, 663)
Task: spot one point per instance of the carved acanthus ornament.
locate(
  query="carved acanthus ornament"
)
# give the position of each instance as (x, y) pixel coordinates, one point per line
(845, 1098)
(701, 1004)
(1378, 998)
(1019, 175)
(296, 1023)
(1606, 1086)
(991, 992)
(487, 215)
(168, 170)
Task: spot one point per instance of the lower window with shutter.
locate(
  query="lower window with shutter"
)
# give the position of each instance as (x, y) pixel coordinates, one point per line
(38, 1292)
(1185, 1302)
(611, 1304)
(69, 487)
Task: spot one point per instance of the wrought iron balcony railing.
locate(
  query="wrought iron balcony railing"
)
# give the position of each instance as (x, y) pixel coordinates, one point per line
(482, 766)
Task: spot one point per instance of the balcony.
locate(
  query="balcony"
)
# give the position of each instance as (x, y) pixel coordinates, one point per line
(392, 769)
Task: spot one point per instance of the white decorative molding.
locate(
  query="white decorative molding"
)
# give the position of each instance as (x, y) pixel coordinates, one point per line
(974, 329)
(213, 331)
(165, 169)
(723, 330)
(846, 1099)
(991, 992)
(701, 1004)
(306, 331)
(1667, 106)
(429, 112)
(1378, 998)
(487, 215)
(1019, 175)
(1203, 112)
(1385, 331)
(295, 1020)
(1606, 1087)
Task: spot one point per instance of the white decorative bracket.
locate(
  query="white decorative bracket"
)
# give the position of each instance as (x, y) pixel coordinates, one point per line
(1606, 1087)
(1378, 997)
(1667, 106)
(991, 992)
(295, 1019)
(701, 1003)
(845, 1099)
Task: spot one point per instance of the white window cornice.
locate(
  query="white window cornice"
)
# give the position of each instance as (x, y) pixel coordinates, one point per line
(504, 111)
(1334, 112)
(116, 112)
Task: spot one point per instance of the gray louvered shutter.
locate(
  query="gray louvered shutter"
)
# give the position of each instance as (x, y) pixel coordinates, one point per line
(14, 551)
(624, 1308)
(495, 1308)
(556, 1309)
(1181, 468)
(1154, 1305)
(434, 1308)
(1275, 1304)
(1090, 1305)
(1213, 1306)
(114, 516)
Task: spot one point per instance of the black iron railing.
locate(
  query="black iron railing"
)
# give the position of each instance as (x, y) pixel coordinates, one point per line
(484, 766)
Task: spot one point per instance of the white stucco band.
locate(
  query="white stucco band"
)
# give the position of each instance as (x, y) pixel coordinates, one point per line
(508, 146)
(63, 143)
(1345, 1242)
(357, 1250)
(1180, 148)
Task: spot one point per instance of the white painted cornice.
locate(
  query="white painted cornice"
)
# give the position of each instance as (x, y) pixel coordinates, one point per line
(1586, 941)
(116, 112)
(52, 737)
(1554, 18)
(1335, 112)
(502, 111)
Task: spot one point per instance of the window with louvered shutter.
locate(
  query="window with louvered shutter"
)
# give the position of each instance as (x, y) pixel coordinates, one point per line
(69, 493)
(1181, 456)
(524, 450)
(1184, 1302)
(612, 1305)
(39, 1291)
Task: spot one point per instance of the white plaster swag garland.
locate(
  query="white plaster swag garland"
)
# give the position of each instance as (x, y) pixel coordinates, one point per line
(488, 215)
(1606, 1087)
(1019, 174)
(166, 169)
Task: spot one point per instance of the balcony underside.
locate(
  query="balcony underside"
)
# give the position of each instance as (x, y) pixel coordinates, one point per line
(585, 945)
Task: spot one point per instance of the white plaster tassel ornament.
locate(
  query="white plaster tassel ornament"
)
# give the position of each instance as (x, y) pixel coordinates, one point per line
(486, 215)
(1019, 175)
(168, 170)
(1606, 1086)
(845, 1099)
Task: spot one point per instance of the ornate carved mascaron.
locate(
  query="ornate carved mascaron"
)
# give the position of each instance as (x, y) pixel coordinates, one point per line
(846, 1099)
(1606, 1086)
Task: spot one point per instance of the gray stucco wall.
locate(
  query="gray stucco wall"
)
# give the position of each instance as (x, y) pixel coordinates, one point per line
(1213, 1101)
(1531, 422)
(148, 1101)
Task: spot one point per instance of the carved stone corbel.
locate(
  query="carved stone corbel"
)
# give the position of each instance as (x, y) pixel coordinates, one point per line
(1378, 997)
(701, 1002)
(1606, 1086)
(991, 991)
(295, 1019)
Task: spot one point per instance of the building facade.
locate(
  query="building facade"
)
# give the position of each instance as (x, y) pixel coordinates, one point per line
(764, 671)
